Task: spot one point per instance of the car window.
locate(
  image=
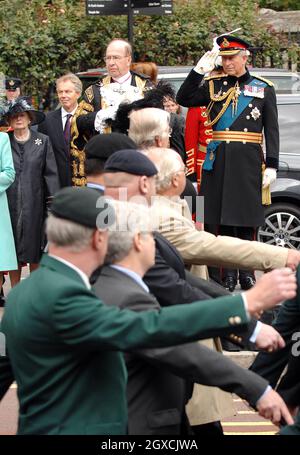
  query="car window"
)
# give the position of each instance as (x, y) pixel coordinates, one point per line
(289, 127)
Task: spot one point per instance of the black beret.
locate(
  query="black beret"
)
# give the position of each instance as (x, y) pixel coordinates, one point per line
(130, 161)
(103, 145)
(12, 83)
(83, 205)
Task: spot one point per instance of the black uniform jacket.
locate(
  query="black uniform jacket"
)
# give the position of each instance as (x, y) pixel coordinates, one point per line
(232, 190)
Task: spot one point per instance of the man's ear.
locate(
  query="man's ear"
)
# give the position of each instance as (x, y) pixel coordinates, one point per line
(137, 244)
(143, 184)
(98, 239)
(175, 180)
(158, 141)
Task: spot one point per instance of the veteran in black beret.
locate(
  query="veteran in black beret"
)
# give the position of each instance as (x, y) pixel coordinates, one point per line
(132, 162)
(236, 178)
(98, 150)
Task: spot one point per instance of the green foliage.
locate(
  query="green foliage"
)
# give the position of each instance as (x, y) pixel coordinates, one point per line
(280, 5)
(41, 40)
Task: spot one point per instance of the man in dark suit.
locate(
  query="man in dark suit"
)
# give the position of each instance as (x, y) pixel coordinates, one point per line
(64, 343)
(60, 126)
(272, 364)
(157, 389)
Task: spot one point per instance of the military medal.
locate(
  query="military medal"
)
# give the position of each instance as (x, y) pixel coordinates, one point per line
(254, 91)
(255, 113)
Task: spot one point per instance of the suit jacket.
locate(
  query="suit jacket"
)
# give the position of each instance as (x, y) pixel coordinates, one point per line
(157, 390)
(52, 126)
(63, 348)
(271, 365)
(200, 247)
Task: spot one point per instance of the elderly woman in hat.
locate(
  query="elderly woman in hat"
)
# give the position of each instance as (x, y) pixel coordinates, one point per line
(36, 181)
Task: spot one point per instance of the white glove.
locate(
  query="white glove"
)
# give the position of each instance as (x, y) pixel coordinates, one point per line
(207, 63)
(269, 176)
(102, 116)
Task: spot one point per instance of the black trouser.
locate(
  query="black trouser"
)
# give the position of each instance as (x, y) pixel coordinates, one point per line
(241, 232)
(244, 233)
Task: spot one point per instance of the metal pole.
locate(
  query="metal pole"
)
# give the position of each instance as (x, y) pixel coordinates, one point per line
(130, 24)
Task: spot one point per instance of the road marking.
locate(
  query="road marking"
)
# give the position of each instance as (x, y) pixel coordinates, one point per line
(247, 424)
(246, 412)
(251, 433)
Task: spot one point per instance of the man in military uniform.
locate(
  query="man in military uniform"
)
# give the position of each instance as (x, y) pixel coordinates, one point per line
(12, 91)
(239, 107)
(120, 85)
(12, 88)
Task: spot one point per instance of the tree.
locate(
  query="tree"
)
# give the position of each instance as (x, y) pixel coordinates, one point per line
(41, 40)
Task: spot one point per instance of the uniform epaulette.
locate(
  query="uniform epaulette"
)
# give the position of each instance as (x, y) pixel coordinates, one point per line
(89, 93)
(270, 83)
(216, 76)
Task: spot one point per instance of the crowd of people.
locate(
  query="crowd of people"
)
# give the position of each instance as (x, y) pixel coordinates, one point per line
(107, 185)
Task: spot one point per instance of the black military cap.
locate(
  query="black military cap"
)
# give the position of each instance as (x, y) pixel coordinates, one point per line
(103, 145)
(83, 205)
(231, 45)
(130, 161)
(12, 83)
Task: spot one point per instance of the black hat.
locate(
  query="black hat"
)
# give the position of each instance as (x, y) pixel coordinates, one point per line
(21, 104)
(83, 205)
(12, 83)
(231, 45)
(103, 145)
(132, 162)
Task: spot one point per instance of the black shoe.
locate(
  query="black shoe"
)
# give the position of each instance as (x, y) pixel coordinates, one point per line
(229, 283)
(247, 283)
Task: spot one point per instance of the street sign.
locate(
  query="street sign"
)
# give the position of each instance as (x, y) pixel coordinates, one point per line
(106, 7)
(116, 7)
(145, 4)
(165, 8)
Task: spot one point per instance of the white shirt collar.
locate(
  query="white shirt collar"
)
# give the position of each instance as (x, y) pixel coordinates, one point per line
(82, 275)
(64, 113)
(132, 274)
(126, 79)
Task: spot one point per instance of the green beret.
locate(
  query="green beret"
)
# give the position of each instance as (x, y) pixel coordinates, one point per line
(82, 205)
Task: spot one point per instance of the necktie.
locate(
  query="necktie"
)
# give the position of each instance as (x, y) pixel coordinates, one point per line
(67, 129)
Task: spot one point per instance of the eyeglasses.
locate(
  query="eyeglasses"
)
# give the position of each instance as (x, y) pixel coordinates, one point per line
(114, 58)
(184, 169)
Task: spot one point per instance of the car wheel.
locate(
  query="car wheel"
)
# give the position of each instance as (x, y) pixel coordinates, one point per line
(282, 226)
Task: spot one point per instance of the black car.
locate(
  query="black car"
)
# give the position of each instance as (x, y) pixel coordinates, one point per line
(282, 217)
